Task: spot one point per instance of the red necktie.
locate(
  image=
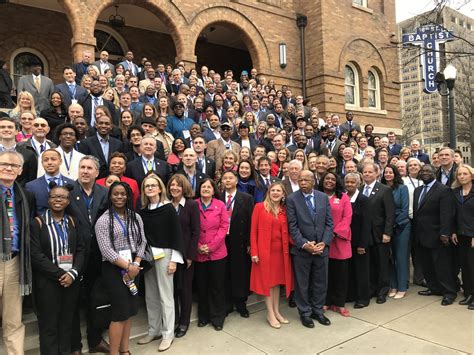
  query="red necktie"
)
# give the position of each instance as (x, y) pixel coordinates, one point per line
(229, 206)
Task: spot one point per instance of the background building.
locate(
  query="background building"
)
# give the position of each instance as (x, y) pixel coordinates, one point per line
(424, 116)
(350, 63)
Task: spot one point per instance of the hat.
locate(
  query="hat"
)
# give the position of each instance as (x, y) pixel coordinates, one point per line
(149, 121)
(300, 118)
(177, 103)
(226, 124)
(244, 72)
(244, 125)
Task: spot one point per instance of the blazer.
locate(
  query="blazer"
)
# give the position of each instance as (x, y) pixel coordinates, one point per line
(30, 167)
(434, 216)
(134, 69)
(360, 226)
(288, 188)
(252, 141)
(28, 145)
(341, 212)
(80, 69)
(198, 178)
(314, 145)
(452, 175)
(381, 212)
(91, 146)
(401, 199)
(263, 187)
(395, 150)
(208, 134)
(464, 213)
(80, 95)
(110, 65)
(40, 189)
(136, 171)
(214, 227)
(423, 157)
(131, 155)
(216, 150)
(6, 83)
(41, 97)
(44, 270)
(209, 168)
(335, 148)
(87, 106)
(345, 127)
(190, 227)
(303, 228)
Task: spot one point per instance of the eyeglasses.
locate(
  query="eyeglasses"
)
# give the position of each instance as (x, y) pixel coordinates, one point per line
(5, 165)
(42, 125)
(225, 128)
(151, 186)
(58, 198)
(72, 134)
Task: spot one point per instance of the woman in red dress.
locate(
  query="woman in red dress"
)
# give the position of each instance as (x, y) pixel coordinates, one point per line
(269, 248)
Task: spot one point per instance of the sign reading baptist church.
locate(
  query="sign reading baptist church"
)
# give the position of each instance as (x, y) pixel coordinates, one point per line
(429, 37)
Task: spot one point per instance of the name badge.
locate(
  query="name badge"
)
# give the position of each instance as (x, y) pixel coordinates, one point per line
(186, 133)
(74, 101)
(126, 254)
(65, 262)
(158, 253)
(336, 201)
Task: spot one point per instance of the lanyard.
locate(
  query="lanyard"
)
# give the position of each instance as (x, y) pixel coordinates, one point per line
(411, 181)
(124, 227)
(68, 165)
(62, 231)
(192, 181)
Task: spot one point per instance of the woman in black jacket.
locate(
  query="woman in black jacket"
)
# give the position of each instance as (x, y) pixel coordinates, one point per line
(56, 114)
(464, 236)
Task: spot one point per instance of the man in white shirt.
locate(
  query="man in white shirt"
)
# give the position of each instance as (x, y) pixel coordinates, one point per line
(294, 169)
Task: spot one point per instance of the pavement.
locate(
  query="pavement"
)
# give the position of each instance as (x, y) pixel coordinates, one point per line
(412, 325)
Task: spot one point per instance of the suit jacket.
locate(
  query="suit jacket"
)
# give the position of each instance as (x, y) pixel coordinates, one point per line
(452, 175)
(314, 145)
(198, 176)
(29, 146)
(91, 146)
(136, 171)
(434, 217)
(334, 149)
(464, 213)
(190, 227)
(360, 226)
(423, 157)
(87, 106)
(6, 83)
(216, 150)
(80, 69)
(209, 168)
(304, 228)
(208, 134)
(381, 212)
(253, 142)
(30, 167)
(80, 95)
(134, 69)
(110, 65)
(40, 189)
(395, 150)
(42, 96)
(222, 116)
(345, 127)
(172, 88)
(263, 186)
(288, 188)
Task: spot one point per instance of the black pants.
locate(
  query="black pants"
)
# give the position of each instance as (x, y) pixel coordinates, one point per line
(56, 306)
(183, 297)
(210, 278)
(359, 280)
(338, 277)
(6, 100)
(380, 269)
(415, 259)
(437, 268)
(467, 264)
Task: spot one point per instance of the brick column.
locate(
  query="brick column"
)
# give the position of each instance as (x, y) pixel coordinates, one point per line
(79, 45)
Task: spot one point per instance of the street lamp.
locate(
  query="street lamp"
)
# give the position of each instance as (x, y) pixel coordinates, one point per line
(445, 82)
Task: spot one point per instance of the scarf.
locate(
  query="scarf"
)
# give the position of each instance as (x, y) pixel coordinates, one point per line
(24, 235)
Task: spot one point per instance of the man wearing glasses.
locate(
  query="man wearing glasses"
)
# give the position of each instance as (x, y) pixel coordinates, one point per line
(15, 264)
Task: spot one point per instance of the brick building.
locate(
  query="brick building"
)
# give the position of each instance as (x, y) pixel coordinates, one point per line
(351, 62)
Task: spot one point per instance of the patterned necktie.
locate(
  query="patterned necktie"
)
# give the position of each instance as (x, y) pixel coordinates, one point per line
(309, 203)
(229, 206)
(367, 190)
(10, 213)
(267, 182)
(37, 83)
(149, 165)
(42, 149)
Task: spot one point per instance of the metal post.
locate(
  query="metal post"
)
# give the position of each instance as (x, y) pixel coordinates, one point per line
(452, 120)
(301, 22)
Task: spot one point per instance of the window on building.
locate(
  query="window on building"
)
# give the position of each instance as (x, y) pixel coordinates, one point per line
(453, 19)
(360, 2)
(108, 41)
(374, 89)
(461, 23)
(351, 83)
(21, 61)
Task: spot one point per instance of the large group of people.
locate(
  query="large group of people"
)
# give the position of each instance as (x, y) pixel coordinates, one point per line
(140, 180)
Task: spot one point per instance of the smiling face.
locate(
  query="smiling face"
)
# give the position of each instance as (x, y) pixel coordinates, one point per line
(67, 138)
(350, 184)
(207, 190)
(329, 182)
(26, 120)
(245, 170)
(58, 199)
(117, 166)
(51, 161)
(118, 197)
(10, 168)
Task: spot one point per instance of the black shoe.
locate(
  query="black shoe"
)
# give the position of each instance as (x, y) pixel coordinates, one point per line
(381, 299)
(203, 323)
(466, 301)
(447, 301)
(291, 301)
(428, 292)
(358, 305)
(421, 283)
(321, 319)
(244, 313)
(181, 331)
(471, 306)
(307, 322)
(218, 327)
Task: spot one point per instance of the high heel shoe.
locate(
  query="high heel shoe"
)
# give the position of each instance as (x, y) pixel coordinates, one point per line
(282, 320)
(276, 325)
(399, 295)
(341, 310)
(392, 292)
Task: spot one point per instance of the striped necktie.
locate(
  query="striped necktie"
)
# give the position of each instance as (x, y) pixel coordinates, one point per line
(10, 213)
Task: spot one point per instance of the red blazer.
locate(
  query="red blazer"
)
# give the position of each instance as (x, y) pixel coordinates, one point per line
(131, 182)
(260, 238)
(341, 210)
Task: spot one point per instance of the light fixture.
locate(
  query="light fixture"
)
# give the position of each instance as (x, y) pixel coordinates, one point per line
(450, 75)
(282, 47)
(117, 20)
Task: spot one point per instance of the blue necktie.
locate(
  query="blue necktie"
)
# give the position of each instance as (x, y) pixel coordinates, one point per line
(309, 203)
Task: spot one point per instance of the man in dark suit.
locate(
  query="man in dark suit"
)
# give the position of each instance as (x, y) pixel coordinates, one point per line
(382, 218)
(433, 215)
(137, 169)
(292, 182)
(72, 93)
(349, 124)
(393, 147)
(51, 161)
(6, 86)
(204, 165)
(264, 166)
(313, 143)
(101, 145)
(189, 169)
(92, 101)
(81, 68)
(332, 143)
(311, 226)
(88, 200)
(128, 64)
(174, 84)
(416, 152)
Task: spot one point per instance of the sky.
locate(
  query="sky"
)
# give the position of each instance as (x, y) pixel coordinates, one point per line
(409, 8)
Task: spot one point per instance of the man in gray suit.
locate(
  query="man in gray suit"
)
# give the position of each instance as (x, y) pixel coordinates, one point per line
(38, 85)
(311, 226)
(103, 63)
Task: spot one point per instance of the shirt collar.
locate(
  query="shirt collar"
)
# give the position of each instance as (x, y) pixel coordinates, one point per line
(354, 197)
(102, 139)
(4, 189)
(430, 185)
(182, 202)
(371, 185)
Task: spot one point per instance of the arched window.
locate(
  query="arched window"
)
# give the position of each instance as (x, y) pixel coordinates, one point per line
(20, 62)
(373, 89)
(109, 40)
(351, 84)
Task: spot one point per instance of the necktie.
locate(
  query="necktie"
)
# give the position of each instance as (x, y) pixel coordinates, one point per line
(10, 214)
(310, 205)
(37, 83)
(94, 106)
(229, 206)
(149, 165)
(200, 165)
(42, 149)
(367, 190)
(424, 191)
(71, 89)
(267, 182)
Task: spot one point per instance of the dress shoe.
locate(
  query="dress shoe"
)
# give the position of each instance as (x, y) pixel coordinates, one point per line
(148, 339)
(466, 301)
(447, 301)
(291, 302)
(165, 344)
(181, 331)
(307, 322)
(399, 295)
(428, 292)
(381, 299)
(471, 306)
(282, 320)
(102, 347)
(275, 325)
(359, 305)
(203, 323)
(323, 320)
(218, 327)
(244, 313)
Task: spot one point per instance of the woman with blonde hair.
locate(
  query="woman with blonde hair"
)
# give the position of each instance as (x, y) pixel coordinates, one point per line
(269, 249)
(25, 102)
(111, 95)
(163, 235)
(300, 155)
(86, 82)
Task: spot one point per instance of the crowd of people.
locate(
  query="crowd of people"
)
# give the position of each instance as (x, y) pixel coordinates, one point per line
(138, 180)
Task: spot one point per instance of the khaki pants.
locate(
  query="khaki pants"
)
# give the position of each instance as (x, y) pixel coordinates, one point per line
(11, 303)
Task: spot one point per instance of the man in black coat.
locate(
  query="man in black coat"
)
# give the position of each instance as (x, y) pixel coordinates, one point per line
(189, 169)
(433, 215)
(71, 91)
(381, 214)
(90, 103)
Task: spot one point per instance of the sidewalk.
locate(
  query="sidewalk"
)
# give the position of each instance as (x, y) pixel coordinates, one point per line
(412, 325)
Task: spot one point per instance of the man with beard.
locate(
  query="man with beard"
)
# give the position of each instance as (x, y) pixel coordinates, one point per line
(332, 143)
(217, 148)
(92, 101)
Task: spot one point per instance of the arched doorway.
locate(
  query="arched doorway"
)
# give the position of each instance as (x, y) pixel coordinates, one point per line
(221, 46)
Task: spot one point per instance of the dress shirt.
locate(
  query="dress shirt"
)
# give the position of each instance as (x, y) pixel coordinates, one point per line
(37, 79)
(104, 144)
(245, 143)
(16, 226)
(294, 186)
(233, 198)
(96, 101)
(426, 188)
(371, 187)
(216, 132)
(228, 144)
(103, 66)
(354, 197)
(37, 146)
(58, 179)
(445, 175)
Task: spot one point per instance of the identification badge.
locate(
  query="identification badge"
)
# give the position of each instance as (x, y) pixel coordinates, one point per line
(126, 254)
(65, 262)
(158, 253)
(74, 101)
(336, 201)
(186, 133)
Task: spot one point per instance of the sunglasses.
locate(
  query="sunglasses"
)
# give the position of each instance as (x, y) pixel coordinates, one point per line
(42, 125)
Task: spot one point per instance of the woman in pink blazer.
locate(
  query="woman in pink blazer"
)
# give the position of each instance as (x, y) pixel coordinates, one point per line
(340, 249)
(211, 257)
